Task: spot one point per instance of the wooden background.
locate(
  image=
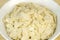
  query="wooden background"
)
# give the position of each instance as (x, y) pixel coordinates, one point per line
(58, 1)
(2, 2)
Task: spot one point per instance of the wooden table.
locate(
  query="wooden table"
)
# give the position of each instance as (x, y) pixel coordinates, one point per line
(58, 1)
(58, 38)
(2, 2)
(1, 38)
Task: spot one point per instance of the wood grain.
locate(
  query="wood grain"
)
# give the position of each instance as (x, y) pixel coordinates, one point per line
(58, 38)
(1, 38)
(57, 1)
(2, 2)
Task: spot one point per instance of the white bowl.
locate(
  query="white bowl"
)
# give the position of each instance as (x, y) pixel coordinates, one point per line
(50, 4)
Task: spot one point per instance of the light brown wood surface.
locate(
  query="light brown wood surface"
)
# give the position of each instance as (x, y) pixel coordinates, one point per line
(1, 38)
(58, 38)
(2, 2)
(58, 1)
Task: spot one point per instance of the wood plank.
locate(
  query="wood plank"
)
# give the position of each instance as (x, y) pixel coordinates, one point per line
(1, 38)
(2, 2)
(57, 1)
(58, 38)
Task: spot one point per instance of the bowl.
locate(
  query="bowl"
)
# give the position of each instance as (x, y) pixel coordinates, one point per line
(50, 4)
